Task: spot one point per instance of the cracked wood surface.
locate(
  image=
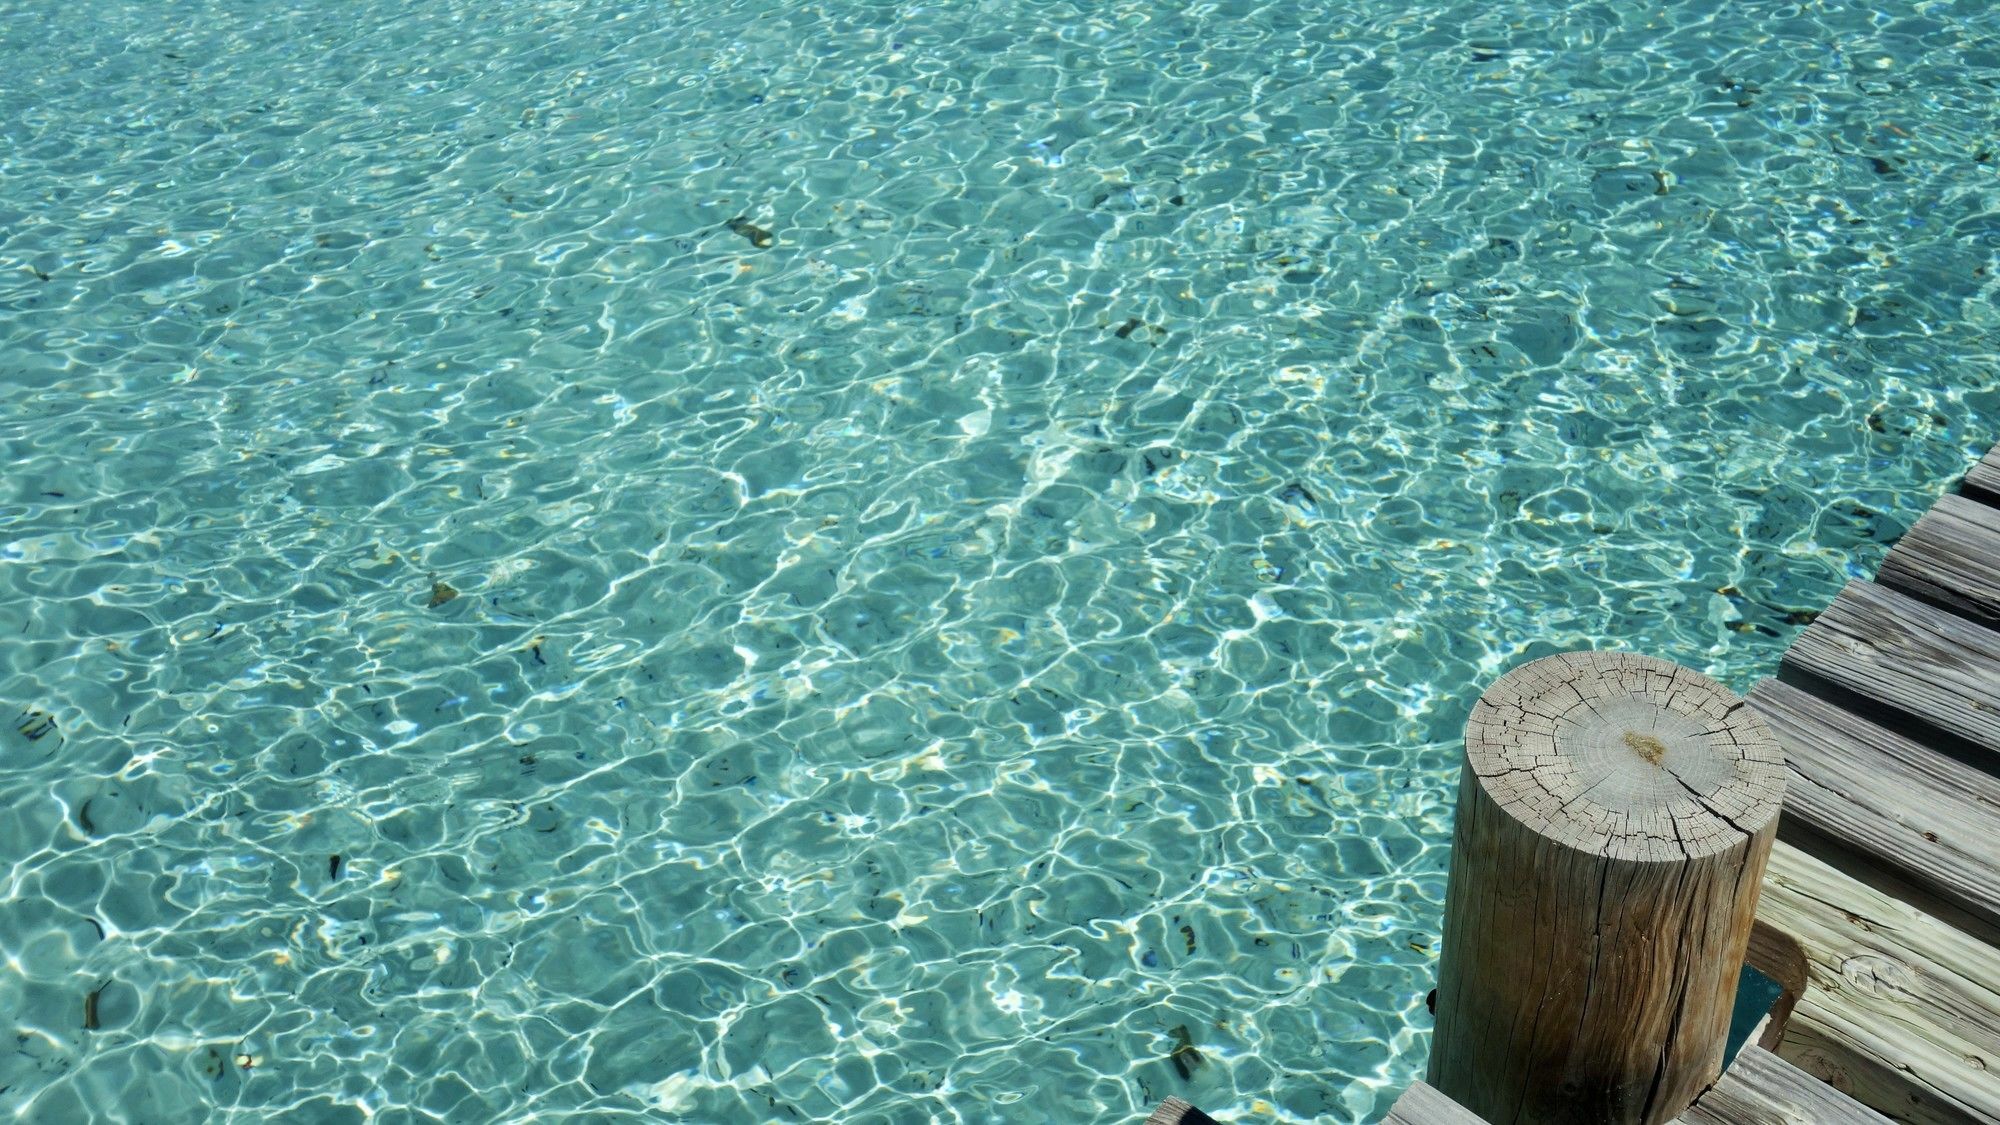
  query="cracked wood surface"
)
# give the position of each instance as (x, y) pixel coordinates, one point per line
(1624, 755)
(1614, 816)
(1901, 1012)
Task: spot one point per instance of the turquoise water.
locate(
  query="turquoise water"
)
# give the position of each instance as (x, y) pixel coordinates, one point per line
(873, 563)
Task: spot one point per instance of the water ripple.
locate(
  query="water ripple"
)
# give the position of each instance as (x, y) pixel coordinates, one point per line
(879, 562)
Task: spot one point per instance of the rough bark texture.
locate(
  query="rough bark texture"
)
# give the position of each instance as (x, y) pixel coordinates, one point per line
(1614, 818)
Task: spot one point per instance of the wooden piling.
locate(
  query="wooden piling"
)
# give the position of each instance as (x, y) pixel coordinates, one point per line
(1615, 815)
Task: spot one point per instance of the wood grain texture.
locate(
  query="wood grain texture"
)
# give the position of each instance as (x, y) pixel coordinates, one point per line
(1901, 1011)
(1174, 1111)
(1777, 956)
(1983, 482)
(1951, 558)
(1423, 1105)
(1614, 814)
(1933, 820)
(1923, 661)
(1762, 1089)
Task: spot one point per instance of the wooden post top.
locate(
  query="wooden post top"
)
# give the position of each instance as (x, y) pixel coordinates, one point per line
(1626, 757)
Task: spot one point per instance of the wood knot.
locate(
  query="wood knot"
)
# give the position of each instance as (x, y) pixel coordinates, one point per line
(1646, 746)
(1876, 975)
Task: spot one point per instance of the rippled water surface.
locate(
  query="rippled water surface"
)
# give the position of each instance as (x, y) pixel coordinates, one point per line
(866, 562)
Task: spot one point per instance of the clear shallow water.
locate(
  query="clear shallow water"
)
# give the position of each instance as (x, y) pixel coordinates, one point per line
(929, 665)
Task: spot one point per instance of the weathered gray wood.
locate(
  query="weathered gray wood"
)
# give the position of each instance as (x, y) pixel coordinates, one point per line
(1930, 818)
(1915, 658)
(1983, 482)
(1901, 1012)
(1951, 558)
(1174, 1111)
(1423, 1105)
(1762, 1089)
(1614, 815)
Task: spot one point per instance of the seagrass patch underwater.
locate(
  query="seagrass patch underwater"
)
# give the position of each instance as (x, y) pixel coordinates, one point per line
(889, 562)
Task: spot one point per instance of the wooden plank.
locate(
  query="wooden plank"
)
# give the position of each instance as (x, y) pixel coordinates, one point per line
(1915, 658)
(1983, 482)
(1760, 1088)
(1423, 1105)
(1951, 558)
(1174, 1111)
(1777, 956)
(1929, 818)
(1901, 1012)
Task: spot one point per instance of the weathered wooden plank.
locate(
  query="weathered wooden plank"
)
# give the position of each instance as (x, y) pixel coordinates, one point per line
(1901, 1012)
(1983, 482)
(1762, 1089)
(1423, 1105)
(1174, 1111)
(1777, 956)
(1930, 818)
(1915, 658)
(1951, 558)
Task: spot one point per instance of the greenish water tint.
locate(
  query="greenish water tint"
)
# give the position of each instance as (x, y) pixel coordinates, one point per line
(1756, 995)
(973, 526)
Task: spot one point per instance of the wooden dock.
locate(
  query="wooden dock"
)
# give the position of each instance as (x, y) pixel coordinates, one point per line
(1885, 882)
(1760, 1089)
(1888, 709)
(1880, 907)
